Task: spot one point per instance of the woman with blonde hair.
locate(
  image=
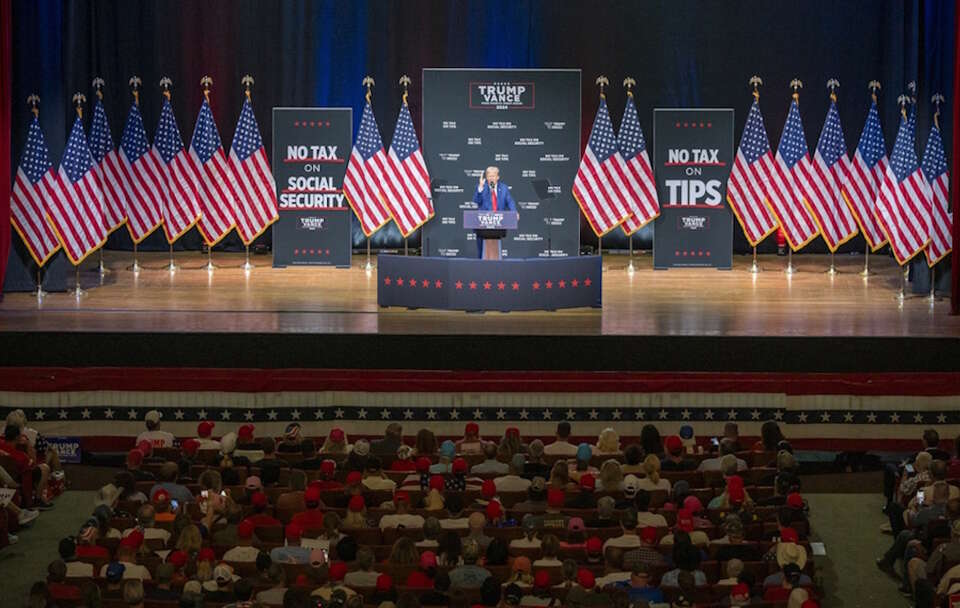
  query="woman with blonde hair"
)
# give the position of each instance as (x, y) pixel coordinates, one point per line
(189, 540)
(336, 442)
(608, 442)
(653, 481)
(559, 475)
(426, 443)
(404, 553)
(611, 476)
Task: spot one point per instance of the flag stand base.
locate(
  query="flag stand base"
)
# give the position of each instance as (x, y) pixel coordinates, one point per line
(210, 266)
(368, 267)
(247, 265)
(630, 268)
(135, 268)
(932, 297)
(832, 271)
(40, 293)
(866, 272)
(754, 266)
(101, 267)
(171, 267)
(790, 269)
(78, 291)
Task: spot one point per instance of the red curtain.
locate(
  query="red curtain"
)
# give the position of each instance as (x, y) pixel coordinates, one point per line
(955, 174)
(6, 100)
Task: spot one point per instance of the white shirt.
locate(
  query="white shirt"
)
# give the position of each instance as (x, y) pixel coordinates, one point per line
(646, 518)
(79, 570)
(379, 483)
(406, 520)
(208, 444)
(560, 448)
(241, 554)
(511, 483)
(129, 571)
(649, 486)
(526, 543)
(458, 523)
(158, 439)
(613, 577)
(151, 533)
(626, 540)
(713, 464)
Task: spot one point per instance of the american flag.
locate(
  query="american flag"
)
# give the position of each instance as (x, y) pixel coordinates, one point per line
(644, 206)
(820, 183)
(903, 204)
(788, 182)
(215, 181)
(257, 202)
(599, 185)
(180, 207)
(33, 187)
(934, 168)
(106, 166)
(141, 168)
(750, 180)
(407, 184)
(362, 184)
(864, 177)
(74, 209)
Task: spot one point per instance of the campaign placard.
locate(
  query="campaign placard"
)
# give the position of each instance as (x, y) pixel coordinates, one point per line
(67, 448)
(692, 156)
(527, 123)
(311, 147)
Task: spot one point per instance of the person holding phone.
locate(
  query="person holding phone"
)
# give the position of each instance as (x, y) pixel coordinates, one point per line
(491, 195)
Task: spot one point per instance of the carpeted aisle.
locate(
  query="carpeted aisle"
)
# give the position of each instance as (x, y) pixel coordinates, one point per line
(24, 563)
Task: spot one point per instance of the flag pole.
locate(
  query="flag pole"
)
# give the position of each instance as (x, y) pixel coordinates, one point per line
(368, 267)
(902, 293)
(247, 266)
(754, 267)
(933, 285)
(866, 261)
(206, 83)
(630, 268)
(209, 266)
(40, 292)
(135, 267)
(832, 85)
(756, 81)
(135, 83)
(832, 270)
(795, 84)
(101, 267)
(172, 266)
(77, 291)
(247, 81)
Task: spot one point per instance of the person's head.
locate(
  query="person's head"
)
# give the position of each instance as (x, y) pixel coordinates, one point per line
(152, 420)
(492, 174)
(568, 568)
(651, 466)
(931, 438)
(451, 546)
(243, 590)
(921, 463)
(941, 492)
(441, 581)
(642, 501)
(650, 440)
(426, 443)
(536, 450)
(559, 474)
(476, 522)
(308, 449)
(633, 454)
(563, 431)
(11, 432)
(771, 435)
(786, 462)
(728, 446)
(628, 521)
(731, 431)
(57, 571)
(168, 472)
(470, 551)
(490, 591)
(404, 552)
(133, 592)
(640, 575)
(67, 549)
(550, 546)
(346, 549)
(611, 475)
(605, 507)
(728, 465)
(608, 441)
(517, 462)
(190, 539)
(497, 552)
(733, 526)
(145, 515)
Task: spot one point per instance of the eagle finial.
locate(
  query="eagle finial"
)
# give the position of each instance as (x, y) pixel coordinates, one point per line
(79, 99)
(247, 82)
(937, 99)
(833, 84)
(135, 84)
(874, 86)
(629, 83)
(33, 101)
(755, 81)
(405, 82)
(165, 85)
(369, 83)
(206, 83)
(98, 85)
(602, 81)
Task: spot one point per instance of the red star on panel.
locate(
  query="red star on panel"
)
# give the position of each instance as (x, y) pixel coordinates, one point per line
(549, 284)
(386, 280)
(425, 283)
(561, 283)
(473, 284)
(458, 284)
(501, 285)
(515, 286)
(296, 252)
(587, 282)
(487, 285)
(412, 282)
(399, 282)
(536, 285)
(326, 251)
(574, 283)
(438, 284)
(312, 251)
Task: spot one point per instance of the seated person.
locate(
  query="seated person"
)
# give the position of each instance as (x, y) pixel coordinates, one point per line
(674, 456)
(471, 442)
(629, 537)
(402, 518)
(561, 446)
(469, 575)
(153, 434)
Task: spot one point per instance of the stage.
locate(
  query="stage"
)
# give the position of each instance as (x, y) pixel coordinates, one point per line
(649, 320)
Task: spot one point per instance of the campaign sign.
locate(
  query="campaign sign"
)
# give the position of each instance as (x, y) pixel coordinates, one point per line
(692, 156)
(68, 448)
(311, 147)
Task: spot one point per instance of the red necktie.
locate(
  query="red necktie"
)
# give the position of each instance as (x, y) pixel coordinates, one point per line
(493, 197)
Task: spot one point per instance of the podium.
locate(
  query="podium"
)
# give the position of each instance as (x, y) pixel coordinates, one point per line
(490, 227)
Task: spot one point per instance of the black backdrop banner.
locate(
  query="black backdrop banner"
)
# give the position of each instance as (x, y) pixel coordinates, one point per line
(690, 53)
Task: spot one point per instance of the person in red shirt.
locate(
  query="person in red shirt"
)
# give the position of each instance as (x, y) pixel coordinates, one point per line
(780, 593)
(328, 468)
(33, 475)
(422, 578)
(87, 541)
(313, 516)
(404, 461)
(57, 584)
(260, 519)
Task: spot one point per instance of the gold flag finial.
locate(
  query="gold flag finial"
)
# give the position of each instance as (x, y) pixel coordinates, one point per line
(937, 99)
(33, 102)
(135, 83)
(833, 84)
(903, 100)
(602, 81)
(165, 85)
(98, 85)
(206, 83)
(79, 99)
(796, 84)
(247, 82)
(369, 83)
(405, 83)
(629, 83)
(755, 81)
(874, 86)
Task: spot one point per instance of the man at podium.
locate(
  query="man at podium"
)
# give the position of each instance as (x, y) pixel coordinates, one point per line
(491, 195)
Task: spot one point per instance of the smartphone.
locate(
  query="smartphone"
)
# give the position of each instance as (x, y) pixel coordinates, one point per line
(715, 442)
(174, 504)
(204, 494)
(908, 468)
(919, 497)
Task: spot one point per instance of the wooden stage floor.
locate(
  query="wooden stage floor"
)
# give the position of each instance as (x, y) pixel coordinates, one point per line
(312, 300)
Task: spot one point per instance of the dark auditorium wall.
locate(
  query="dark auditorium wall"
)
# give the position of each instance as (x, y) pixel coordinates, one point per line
(682, 53)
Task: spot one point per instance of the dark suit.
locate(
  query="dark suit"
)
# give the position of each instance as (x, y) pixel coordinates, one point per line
(484, 201)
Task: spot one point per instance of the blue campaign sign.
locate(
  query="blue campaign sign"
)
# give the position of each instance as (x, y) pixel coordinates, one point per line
(692, 157)
(68, 448)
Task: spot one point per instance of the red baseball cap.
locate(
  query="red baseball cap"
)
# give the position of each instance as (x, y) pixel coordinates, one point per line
(541, 579)
(673, 444)
(384, 581)
(555, 497)
(205, 428)
(436, 482)
(648, 535)
(160, 495)
(135, 456)
(512, 432)
(190, 447)
(488, 489)
(795, 500)
(338, 570)
(328, 467)
(472, 428)
(245, 431)
(245, 529)
(356, 503)
(789, 535)
(594, 545)
(206, 554)
(293, 531)
(354, 477)
(311, 495)
(423, 464)
(685, 520)
(336, 434)
(586, 578)
(459, 465)
(178, 559)
(588, 482)
(494, 510)
(258, 499)
(428, 559)
(401, 496)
